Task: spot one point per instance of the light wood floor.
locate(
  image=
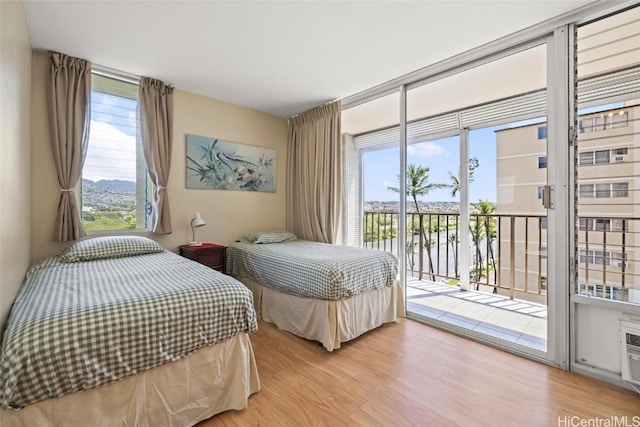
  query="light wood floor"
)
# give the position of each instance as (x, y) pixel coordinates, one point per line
(410, 374)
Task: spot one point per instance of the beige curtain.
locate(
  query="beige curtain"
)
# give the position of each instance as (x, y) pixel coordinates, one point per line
(314, 174)
(156, 128)
(69, 97)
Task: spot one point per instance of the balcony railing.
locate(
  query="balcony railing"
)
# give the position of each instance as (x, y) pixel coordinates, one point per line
(508, 253)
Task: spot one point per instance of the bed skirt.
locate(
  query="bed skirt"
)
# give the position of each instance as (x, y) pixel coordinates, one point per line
(214, 379)
(330, 322)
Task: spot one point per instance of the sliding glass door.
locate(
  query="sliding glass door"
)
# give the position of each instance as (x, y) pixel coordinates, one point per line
(479, 155)
(478, 199)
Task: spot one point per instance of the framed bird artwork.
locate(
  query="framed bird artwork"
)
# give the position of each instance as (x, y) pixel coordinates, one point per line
(224, 165)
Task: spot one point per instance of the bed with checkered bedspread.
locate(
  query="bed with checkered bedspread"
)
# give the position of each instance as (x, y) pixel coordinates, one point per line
(318, 291)
(313, 269)
(76, 326)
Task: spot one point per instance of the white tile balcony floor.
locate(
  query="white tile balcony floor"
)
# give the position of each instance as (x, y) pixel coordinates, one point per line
(516, 321)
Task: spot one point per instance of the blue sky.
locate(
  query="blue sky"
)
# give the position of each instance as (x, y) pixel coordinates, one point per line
(112, 153)
(381, 167)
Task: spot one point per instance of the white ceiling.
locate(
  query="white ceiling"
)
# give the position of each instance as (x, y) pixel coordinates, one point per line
(277, 57)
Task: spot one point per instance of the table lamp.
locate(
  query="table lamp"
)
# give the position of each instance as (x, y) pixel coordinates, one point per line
(197, 221)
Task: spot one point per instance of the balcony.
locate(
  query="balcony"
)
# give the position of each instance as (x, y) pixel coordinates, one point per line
(515, 321)
(507, 294)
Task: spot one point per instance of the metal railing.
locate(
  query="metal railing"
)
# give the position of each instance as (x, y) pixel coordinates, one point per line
(509, 252)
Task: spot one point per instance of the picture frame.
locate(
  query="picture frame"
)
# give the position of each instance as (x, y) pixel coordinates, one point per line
(216, 164)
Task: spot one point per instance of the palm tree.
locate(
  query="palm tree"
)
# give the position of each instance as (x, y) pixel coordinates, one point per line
(418, 185)
(485, 207)
(455, 188)
(455, 182)
(481, 229)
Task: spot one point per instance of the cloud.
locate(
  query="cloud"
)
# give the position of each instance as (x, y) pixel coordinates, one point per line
(425, 150)
(111, 154)
(118, 111)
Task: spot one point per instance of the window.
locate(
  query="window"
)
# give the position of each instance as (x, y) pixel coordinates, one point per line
(595, 257)
(542, 132)
(603, 224)
(619, 120)
(586, 224)
(586, 190)
(620, 225)
(602, 122)
(586, 257)
(114, 173)
(542, 162)
(602, 258)
(600, 157)
(586, 125)
(586, 158)
(603, 156)
(603, 191)
(543, 252)
(620, 189)
(540, 192)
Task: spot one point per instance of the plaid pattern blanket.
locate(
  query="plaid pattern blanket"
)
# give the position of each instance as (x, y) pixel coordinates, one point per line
(76, 326)
(313, 269)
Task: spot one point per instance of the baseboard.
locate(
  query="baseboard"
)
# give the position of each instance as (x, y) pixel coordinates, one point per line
(600, 374)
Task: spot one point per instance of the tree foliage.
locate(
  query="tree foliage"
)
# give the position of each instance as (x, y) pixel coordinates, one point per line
(380, 226)
(418, 183)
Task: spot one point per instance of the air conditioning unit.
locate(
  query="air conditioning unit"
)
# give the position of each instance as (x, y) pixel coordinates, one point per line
(619, 158)
(630, 341)
(621, 264)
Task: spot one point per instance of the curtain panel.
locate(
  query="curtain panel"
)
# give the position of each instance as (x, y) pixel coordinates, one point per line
(314, 174)
(156, 133)
(69, 99)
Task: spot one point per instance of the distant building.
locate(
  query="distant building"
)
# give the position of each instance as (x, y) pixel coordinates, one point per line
(608, 169)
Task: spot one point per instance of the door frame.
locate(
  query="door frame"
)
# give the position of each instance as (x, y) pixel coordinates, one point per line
(560, 218)
(560, 116)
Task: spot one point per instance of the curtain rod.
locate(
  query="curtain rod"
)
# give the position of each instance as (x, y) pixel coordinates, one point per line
(102, 70)
(116, 74)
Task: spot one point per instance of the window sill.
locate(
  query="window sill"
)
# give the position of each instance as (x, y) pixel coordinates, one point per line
(622, 307)
(135, 231)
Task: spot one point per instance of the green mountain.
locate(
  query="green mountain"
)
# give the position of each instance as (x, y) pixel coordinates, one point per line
(108, 195)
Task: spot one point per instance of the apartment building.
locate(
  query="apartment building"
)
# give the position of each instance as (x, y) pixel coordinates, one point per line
(607, 167)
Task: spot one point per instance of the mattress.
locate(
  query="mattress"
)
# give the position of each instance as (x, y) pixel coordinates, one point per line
(77, 326)
(312, 269)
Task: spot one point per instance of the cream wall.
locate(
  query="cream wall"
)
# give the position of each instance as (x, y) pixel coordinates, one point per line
(15, 149)
(228, 214)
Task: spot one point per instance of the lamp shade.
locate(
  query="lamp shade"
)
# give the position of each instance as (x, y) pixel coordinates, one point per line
(197, 220)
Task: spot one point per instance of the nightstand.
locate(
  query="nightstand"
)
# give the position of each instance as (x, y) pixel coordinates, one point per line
(209, 254)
